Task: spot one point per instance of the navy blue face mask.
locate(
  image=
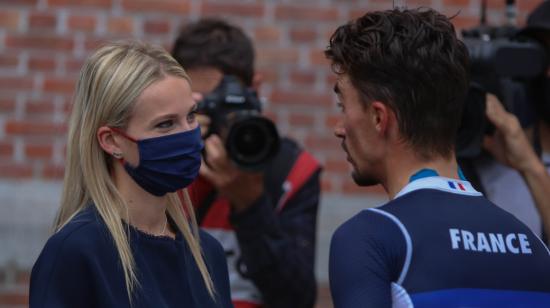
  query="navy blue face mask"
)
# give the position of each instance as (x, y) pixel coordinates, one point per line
(167, 163)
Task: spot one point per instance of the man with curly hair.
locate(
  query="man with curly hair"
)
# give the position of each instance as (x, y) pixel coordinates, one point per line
(402, 77)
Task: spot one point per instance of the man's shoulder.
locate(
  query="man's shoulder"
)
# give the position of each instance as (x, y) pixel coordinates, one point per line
(371, 224)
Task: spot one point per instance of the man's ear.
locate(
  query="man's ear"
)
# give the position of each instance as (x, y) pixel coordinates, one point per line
(108, 142)
(381, 116)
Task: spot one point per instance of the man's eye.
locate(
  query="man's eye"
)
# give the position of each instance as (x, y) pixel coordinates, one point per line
(165, 124)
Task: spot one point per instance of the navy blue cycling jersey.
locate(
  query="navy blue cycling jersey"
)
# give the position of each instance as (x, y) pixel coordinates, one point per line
(439, 243)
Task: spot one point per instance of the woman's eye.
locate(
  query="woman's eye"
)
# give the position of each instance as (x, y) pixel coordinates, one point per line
(165, 124)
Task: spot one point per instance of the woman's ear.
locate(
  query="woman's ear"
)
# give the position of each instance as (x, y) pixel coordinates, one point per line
(108, 142)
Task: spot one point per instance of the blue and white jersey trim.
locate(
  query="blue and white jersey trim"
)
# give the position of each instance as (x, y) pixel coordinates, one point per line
(408, 242)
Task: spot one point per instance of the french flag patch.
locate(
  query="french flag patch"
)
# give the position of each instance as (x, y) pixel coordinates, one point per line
(456, 185)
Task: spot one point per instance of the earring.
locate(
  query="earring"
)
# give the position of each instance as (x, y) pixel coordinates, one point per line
(117, 155)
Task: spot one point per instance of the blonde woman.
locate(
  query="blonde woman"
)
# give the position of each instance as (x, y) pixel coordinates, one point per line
(122, 237)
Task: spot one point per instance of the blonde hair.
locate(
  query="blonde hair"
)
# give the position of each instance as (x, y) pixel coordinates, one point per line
(109, 84)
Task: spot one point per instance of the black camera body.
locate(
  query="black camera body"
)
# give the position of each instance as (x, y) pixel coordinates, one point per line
(505, 64)
(251, 140)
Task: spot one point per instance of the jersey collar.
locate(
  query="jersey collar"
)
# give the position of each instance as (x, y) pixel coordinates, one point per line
(429, 179)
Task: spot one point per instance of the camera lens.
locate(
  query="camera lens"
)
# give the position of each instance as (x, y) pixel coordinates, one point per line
(249, 139)
(252, 141)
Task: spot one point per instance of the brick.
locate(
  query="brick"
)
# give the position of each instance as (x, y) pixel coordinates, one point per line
(120, 25)
(301, 120)
(268, 75)
(9, 19)
(496, 4)
(277, 56)
(53, 172)
(8, 61)
(94, 43)
(14, 171)
(23, 277)
(465, 22)
(7, 105)
(317, 58)
(39, 42)
(168, 6)
(305, 13)
(292, 98)
(303, 35)
(41, 64)
(268, 34)
(104, 4)
(528, 5)
(16, 83)
(337, 166)
(156, 27)
(42, 21)
(234, 8)
(6, 149)
(82, 23)
(332, 120)
(423, 3)
(39, 108)
(273, 116)
(322, 142)
(302, 78)
(74, 65)
(457, 3)
(38, 150)
(59, 85)
(18, 2)
(26, 128)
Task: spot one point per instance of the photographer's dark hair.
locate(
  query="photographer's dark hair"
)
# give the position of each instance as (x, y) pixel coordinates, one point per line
(218, 44)
(412, 61)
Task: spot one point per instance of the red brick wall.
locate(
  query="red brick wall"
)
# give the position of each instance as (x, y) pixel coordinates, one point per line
(43, 44)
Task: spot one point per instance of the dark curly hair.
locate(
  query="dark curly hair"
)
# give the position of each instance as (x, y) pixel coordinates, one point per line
(412, 61)
(215, 43)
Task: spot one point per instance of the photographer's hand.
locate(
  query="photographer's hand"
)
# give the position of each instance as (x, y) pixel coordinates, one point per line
(239, 187)
(510, 146)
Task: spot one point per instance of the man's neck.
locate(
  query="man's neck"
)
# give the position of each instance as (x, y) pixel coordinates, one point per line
(400, 169)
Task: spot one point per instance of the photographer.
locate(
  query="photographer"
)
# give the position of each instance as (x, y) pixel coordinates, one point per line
(265, 217)
(510, 146)
(506, 182)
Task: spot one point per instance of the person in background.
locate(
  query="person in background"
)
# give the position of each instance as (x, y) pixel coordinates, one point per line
(511, 147)
(402, 77)
(506, 182)
(265, 220)
(122, 237)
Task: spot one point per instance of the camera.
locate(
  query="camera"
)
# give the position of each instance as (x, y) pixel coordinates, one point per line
(251, 140)
(507, 65)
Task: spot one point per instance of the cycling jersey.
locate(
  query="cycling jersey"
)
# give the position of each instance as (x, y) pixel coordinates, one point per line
(439, 243)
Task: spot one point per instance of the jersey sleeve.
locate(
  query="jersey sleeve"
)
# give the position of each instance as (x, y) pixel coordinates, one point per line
(367, 254)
